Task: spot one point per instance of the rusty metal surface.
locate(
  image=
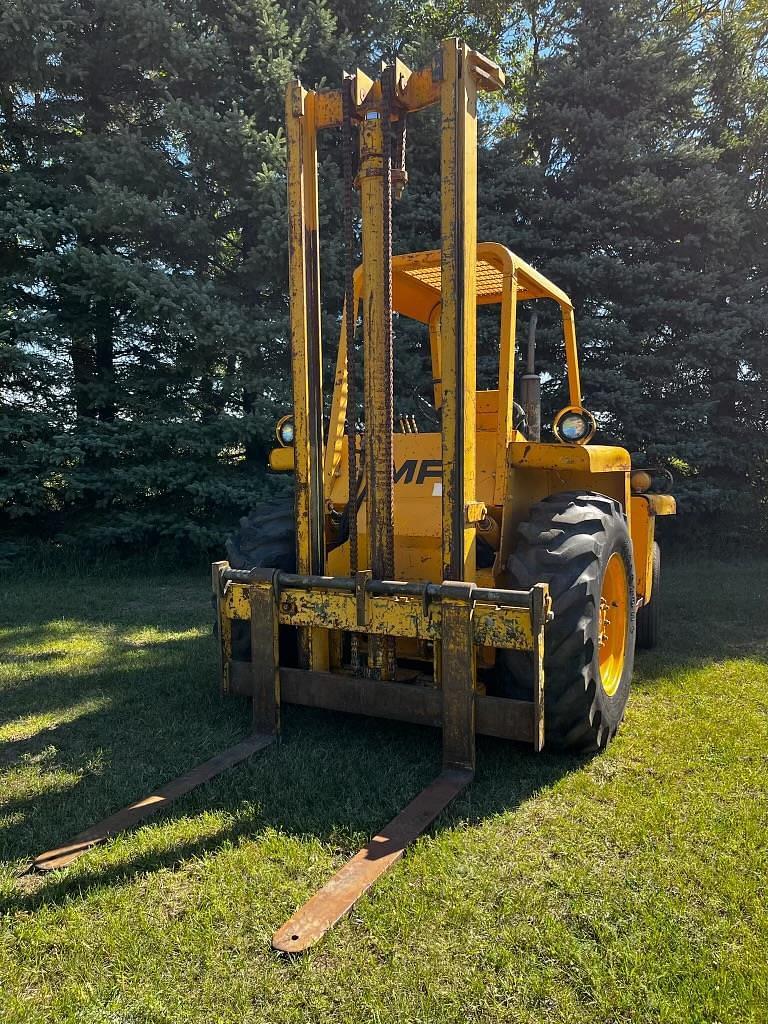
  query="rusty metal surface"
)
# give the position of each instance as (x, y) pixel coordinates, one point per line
(458, 677)
(306, 346)
(458, 198)
(402, 702)
(504, 718)
(265, 659)
(129, 816)
(375, 210)
(502, 627)
(300, 149)
(501, 618)
(540, 608)
(340, 894)
(385, 559)
(350, 319)
(223, 625)
(493, 625)
(397, 701)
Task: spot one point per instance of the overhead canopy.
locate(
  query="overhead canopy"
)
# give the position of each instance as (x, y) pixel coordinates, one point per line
(416, 280)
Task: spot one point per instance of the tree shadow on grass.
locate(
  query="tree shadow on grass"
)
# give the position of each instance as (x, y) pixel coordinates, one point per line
(164, 670)
(332, 777)
(710, 613)
(712, 646)
(125, 725)
(711, 610)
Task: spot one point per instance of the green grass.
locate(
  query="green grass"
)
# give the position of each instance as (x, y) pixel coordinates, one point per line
(630, 887)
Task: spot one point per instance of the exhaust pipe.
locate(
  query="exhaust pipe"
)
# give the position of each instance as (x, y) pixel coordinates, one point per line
(531, 386)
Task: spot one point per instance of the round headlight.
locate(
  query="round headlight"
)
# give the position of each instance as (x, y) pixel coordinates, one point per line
(286, 432)
(574, 425)
(640, 481)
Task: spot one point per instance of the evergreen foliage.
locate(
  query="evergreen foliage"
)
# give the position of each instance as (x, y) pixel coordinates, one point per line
(630, 176)
(143, 264)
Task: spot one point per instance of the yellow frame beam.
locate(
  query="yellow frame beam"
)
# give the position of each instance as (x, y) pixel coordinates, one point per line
(458, 160)
(492, 626)
(306, 345)
(506, 430)
(377, 379)
(453, 80)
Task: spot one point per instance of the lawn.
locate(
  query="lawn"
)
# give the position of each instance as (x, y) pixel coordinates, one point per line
(629, 887)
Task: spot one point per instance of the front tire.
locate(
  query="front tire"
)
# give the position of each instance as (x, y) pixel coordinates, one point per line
(579, 544)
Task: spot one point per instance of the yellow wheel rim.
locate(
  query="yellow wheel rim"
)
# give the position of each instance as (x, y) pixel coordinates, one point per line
(612, 626)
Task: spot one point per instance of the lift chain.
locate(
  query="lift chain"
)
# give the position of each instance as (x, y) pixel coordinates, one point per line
(388, 559)
(399, 173)
(348, 155)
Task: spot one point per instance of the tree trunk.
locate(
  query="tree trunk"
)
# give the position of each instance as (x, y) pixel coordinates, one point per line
(105, 361)
(255, 454)
(83, 370)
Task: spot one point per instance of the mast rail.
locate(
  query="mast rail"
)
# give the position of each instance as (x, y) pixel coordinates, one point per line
(413, 91)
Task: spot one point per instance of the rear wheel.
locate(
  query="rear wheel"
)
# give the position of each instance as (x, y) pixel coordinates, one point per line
(649, 616)
(266, 539)
(579, 544)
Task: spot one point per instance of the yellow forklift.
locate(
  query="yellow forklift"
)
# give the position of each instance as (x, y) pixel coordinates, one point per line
(468, 576)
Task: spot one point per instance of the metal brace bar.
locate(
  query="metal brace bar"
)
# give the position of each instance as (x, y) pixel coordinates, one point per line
(540, 606)
(223, 624)
(458, 676)
(380, 588)
(265, 656)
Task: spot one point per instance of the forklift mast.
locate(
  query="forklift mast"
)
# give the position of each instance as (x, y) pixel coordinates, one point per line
(380, 109)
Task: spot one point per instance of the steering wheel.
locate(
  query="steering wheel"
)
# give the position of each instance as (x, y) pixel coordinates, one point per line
(519, 418)
(418, 391)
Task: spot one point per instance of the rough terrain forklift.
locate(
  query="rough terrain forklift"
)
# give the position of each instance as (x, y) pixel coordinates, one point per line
(469, 576)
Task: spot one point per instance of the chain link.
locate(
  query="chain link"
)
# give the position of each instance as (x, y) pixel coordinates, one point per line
(388, 567)
(348, 154)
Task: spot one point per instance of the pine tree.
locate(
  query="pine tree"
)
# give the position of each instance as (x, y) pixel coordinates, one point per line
(143, 265)
(143, 258)
(609, 181)
(734, 62)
